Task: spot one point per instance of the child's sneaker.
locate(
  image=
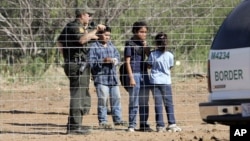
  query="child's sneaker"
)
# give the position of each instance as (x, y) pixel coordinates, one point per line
(173, 128)
(131, 130)
(160, 129)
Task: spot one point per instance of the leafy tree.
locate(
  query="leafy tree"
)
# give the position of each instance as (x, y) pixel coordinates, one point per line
(29, 28)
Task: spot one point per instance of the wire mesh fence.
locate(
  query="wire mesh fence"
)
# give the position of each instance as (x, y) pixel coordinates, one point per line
(34, 90)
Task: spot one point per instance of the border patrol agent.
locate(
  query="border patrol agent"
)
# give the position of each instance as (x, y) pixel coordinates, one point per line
(73, 43)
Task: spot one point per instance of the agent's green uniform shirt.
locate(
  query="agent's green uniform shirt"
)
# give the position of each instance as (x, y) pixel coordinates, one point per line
(74, 53)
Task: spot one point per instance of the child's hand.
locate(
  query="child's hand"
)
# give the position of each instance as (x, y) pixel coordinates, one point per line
(144, 43)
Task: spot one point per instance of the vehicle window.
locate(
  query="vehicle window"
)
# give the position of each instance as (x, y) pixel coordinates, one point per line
(235, 30)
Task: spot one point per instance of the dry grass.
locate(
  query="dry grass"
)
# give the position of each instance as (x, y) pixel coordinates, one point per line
(38, 111)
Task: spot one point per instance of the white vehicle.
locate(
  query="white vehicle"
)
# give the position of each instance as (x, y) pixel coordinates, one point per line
(229, 71)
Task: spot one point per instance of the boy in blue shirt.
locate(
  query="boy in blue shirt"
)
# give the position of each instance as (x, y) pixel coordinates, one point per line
(103, 59)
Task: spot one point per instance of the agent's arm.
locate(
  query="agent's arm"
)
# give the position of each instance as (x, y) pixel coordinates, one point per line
(91, 35)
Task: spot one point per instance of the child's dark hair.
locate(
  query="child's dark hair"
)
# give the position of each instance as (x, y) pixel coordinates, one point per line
(161, 41)
(138, 25)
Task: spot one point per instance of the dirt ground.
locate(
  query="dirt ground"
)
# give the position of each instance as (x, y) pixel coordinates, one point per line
(39, 111)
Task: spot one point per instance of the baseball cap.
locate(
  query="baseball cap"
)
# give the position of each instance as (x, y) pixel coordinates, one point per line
(84, 10)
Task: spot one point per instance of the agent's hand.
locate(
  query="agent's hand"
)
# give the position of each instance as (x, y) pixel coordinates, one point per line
(94, 37)
(100, 27)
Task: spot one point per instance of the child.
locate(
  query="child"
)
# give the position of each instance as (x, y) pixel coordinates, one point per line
(103, 58)
(161, 61)
(135, 50)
